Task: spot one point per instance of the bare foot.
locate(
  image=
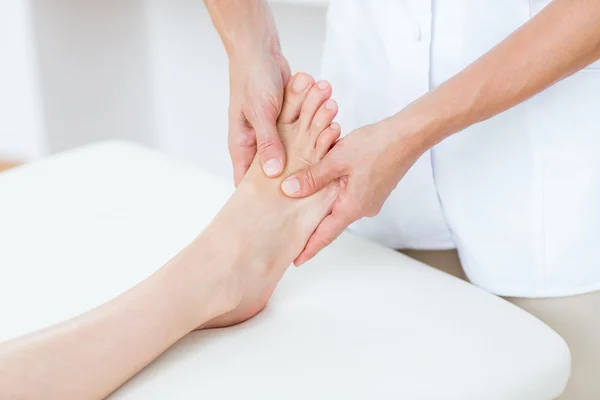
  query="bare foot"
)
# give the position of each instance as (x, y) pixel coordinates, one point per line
(260, 231)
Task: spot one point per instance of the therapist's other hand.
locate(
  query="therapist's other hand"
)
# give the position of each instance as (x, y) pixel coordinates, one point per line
(256, 95)
(369, 162)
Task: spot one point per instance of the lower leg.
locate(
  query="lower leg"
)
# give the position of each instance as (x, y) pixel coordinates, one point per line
(225, 276)
(91, 355)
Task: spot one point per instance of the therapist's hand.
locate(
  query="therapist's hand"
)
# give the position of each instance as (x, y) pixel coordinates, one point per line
(369, 162)
(256, 85)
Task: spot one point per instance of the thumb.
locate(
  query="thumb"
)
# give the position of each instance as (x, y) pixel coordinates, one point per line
(311, 179)
(269, 147)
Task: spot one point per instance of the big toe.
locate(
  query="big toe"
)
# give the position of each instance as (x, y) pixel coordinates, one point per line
(295, 93)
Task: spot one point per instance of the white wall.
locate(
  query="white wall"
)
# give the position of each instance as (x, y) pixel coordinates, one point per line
(93, 64)
(22, 131)
(152, 71)
(190, 74)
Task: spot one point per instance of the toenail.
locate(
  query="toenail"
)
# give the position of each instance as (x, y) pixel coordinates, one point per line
(272, 167)
(290, 186)
(300, 83)
(323, 85)
(335, 126)
(330, 105)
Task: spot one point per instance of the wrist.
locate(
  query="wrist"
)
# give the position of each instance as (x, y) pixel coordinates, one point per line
(424, 123)
(412, 133)
(246, 28)
(246, 51)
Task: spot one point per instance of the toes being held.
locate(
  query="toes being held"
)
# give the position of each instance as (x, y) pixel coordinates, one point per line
(315, 98)
(306, 121)
(294, 96)
(322, 119)
(326, 139)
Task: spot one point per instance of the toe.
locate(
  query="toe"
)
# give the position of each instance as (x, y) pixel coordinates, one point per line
(317, 95)
(295, 93)
(326, 139)
(323, 118)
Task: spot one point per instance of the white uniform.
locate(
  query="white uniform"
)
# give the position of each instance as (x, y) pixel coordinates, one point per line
(517, 195)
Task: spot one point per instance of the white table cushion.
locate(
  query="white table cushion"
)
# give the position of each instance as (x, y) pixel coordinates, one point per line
(358, 322)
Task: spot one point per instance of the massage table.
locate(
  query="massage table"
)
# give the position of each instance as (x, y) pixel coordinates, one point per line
(360, 321)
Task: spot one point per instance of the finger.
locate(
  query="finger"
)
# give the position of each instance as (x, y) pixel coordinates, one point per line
(312, 179)
(242, 149)
(270, 150)
(286, 72)
(329, 229)
(242, 159)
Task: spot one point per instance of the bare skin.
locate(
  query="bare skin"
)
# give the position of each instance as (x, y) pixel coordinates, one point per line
(225, 276)
(305, 124)
(258, 72)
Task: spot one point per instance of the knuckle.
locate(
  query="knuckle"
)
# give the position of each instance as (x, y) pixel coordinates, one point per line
(242, 139)
(267, 145)
(264, 108)
(310, 180)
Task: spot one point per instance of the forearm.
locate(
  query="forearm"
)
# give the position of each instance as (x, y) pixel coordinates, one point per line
(245, 26)
(93, 354)
(562, 39)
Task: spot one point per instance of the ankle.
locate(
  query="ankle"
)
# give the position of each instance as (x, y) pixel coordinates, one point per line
(207, 280)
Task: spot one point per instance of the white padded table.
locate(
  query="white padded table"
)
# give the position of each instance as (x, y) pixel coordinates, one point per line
(358, 322)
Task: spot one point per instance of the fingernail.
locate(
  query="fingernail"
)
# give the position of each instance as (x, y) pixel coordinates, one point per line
(330, 104)
(290, 186)
(272, 167)
(300, 83)
(323, 84)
